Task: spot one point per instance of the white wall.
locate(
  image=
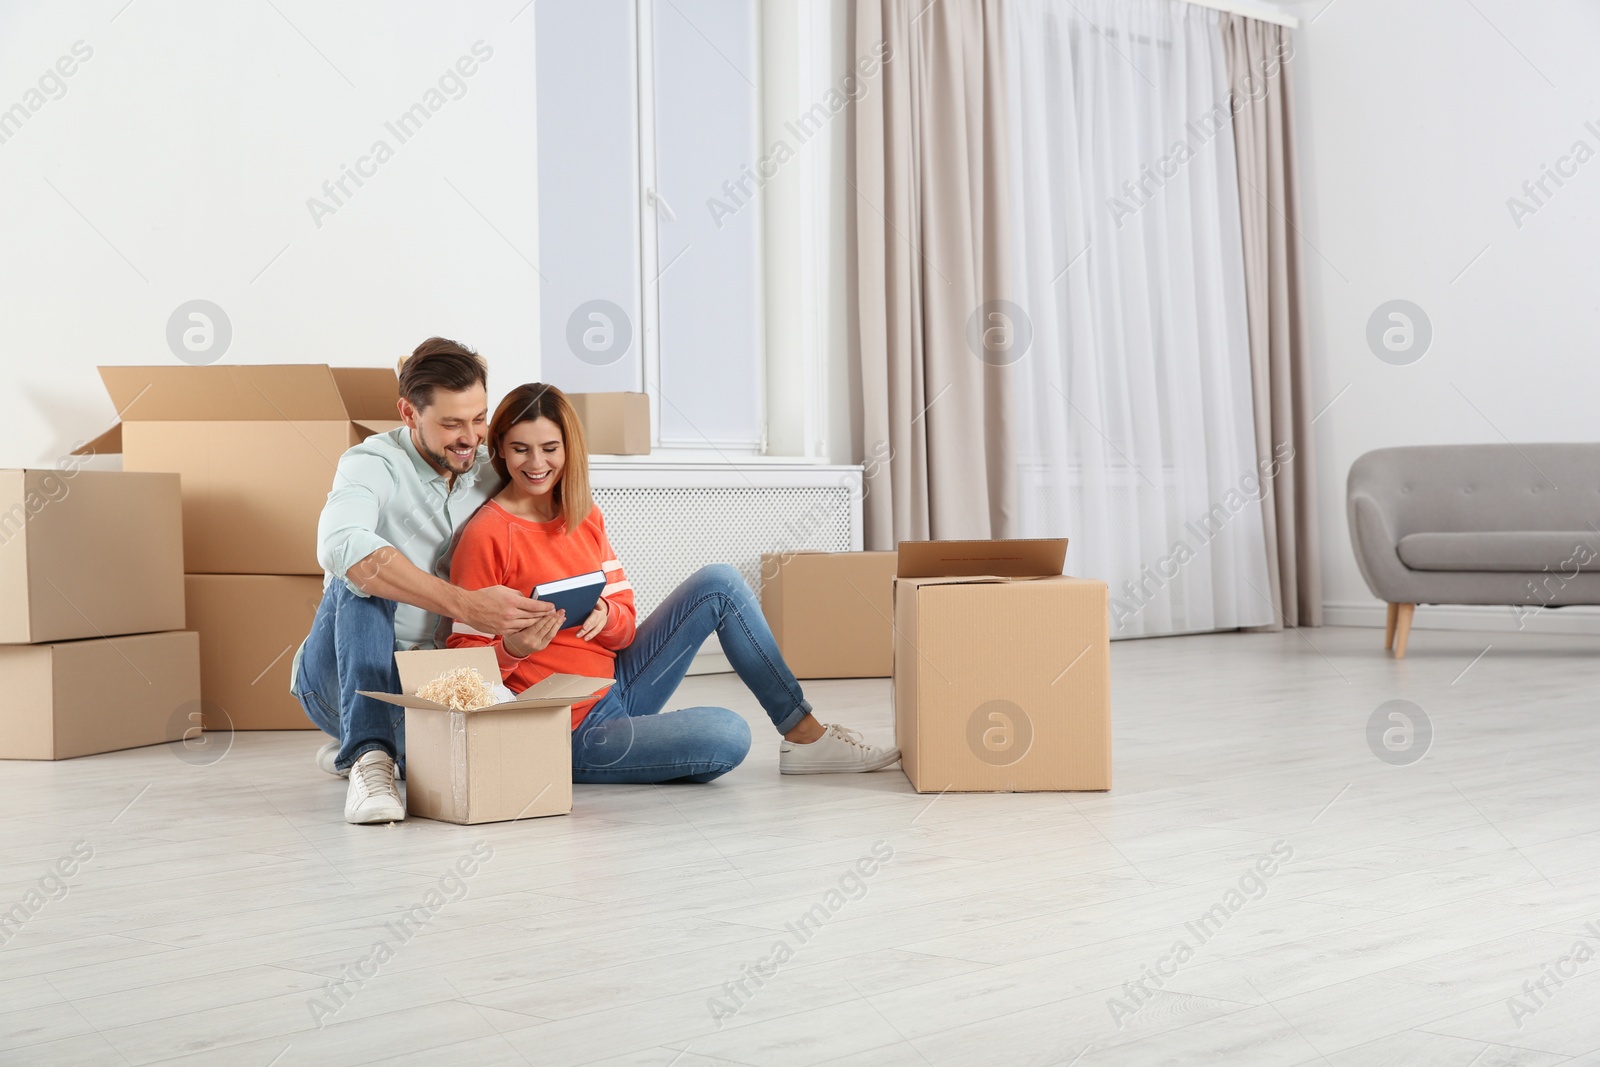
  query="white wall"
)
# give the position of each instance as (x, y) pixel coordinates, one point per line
(194, 135)
(178, 162)
(1417, 121)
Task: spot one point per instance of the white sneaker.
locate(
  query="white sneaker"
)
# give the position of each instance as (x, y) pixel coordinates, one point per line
(325, 758)
(837, 751)
(373, 797)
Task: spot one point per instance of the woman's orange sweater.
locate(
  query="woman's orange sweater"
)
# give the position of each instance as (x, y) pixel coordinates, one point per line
(499, 548)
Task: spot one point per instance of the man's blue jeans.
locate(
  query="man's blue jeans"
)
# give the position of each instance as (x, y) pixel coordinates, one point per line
(624, 739)
(351, 647)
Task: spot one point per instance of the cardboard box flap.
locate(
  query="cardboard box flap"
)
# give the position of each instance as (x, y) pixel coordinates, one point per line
(372, 426)
(420, 666)
(568, 690)
(107, 444)
(522, 703)
(368, 392)
(566, 686)
(1026, 558)
(267, 393)
(965, 579)
(402, 700)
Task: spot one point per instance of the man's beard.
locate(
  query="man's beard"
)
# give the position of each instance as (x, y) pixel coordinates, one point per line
(447, 462)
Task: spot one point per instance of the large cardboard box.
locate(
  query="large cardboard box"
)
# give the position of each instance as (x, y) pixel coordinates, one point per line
(614, 424)
(76, 698)
(831, 612)
(256, 446)
(1002, 669)
(249, 627)
(510, 761)
(89, 554)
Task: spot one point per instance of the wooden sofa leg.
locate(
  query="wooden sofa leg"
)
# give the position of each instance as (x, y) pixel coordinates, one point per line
(1402, 629)
(1388, 627)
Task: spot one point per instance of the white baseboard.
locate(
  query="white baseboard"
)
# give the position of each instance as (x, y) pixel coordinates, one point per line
(1580, 620)
(712, 662)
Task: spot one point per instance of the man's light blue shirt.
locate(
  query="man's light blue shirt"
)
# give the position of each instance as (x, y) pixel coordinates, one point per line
(386, 495)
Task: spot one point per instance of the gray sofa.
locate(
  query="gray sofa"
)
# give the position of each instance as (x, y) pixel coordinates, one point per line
(1517, 525)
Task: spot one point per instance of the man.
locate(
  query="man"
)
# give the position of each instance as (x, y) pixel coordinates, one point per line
(384, 540)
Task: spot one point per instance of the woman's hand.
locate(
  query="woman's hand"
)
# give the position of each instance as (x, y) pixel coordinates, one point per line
(536, 638)
(595, 622)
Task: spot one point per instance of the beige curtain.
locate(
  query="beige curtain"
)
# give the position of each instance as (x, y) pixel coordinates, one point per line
(1259, 64)
(928, 221)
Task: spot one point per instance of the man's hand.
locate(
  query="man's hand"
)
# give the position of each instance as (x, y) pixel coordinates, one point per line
(536, 638)
(502, 610)
(496, 610)
(595, 622)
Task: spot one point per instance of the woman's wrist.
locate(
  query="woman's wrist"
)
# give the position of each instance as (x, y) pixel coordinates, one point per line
(513, 651)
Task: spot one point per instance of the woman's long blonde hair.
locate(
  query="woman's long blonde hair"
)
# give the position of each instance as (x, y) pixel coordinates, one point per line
(537, 400)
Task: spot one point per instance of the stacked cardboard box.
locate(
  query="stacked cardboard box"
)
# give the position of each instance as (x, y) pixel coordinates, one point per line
(93, 654)
(831, 611)
(614, 424)
(257, 448)
(249, 627)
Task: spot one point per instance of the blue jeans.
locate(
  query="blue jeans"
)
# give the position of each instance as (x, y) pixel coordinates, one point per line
(351, 647)
(624, 739)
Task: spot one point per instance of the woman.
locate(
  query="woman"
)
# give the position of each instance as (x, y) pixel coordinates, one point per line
(543, 527)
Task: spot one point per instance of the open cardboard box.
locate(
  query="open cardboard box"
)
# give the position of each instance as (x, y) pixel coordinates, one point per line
(257, 447)
(1002, 668)
(511, 760)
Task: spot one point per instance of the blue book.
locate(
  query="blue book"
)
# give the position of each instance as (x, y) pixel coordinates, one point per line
(577, 596)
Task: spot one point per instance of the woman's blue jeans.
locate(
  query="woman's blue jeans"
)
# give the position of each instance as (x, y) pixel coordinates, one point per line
(626, 737)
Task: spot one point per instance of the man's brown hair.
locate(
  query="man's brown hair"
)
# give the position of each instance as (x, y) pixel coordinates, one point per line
(536, 400)
(440, 363)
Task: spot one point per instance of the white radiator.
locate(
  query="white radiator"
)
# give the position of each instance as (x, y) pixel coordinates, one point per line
(668, 519)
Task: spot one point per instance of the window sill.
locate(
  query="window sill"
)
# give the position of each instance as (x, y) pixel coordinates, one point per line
(708, 458)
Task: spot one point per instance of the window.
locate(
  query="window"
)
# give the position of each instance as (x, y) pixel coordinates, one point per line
(649, 230)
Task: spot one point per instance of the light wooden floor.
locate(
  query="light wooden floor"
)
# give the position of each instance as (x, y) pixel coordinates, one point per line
(222, 899)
